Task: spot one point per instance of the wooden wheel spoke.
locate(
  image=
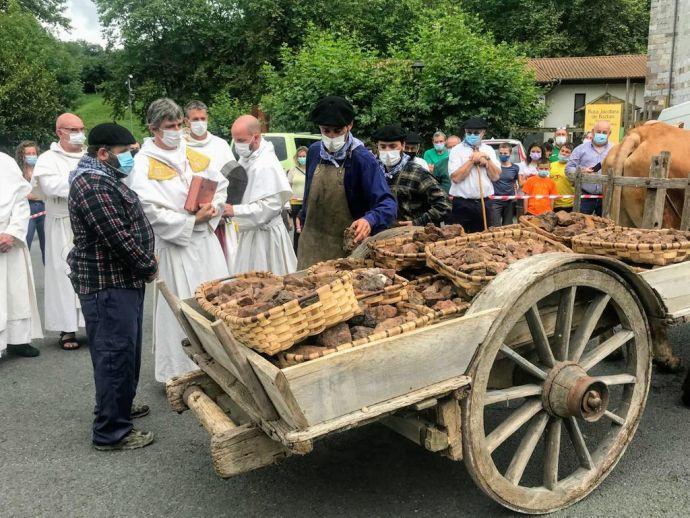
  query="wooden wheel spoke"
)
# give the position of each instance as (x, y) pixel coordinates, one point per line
(526, 448)
(509, 394)
(523, 362)
(618, 379)
(579, 443)
(539, 337)
(512, 424)
(597, 354)
(589, 322)
(553, 451)
(564, 323)
(615, 418)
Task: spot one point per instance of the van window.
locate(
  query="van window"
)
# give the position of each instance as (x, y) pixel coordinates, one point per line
(280, 146)
(304, 141)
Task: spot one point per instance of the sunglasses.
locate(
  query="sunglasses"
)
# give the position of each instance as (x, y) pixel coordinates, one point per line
(473, 132)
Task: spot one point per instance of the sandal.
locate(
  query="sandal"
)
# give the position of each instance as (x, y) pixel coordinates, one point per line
(68, 341)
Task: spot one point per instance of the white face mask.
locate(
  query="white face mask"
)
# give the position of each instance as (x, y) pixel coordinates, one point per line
(77, 139)
(390, 158)
(172, 138)
(199, 128)
(560, 140)
(334, 144)
(243, 149)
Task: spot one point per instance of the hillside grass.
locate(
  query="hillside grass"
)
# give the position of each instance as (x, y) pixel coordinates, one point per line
(93, 110)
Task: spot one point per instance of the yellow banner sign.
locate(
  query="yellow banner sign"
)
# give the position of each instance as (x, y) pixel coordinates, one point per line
(607, 112)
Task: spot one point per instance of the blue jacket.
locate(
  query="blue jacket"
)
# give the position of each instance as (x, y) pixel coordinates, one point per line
(367, 192)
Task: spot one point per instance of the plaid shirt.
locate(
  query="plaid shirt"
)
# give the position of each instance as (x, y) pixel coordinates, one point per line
(113, 240)
(420, 198)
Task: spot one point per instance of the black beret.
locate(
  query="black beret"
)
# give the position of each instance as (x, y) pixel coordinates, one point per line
(413, 138)
(333, 111)
(475, 123)
(390, 133)
(110, 134)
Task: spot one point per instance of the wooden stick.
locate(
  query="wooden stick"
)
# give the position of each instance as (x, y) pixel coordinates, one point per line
(481, 197)
(210, 415)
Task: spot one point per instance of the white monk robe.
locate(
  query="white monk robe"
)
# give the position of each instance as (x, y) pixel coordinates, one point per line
(19, 319)
(62, 310)
(264, 242)
(218, 150)
(188, 253)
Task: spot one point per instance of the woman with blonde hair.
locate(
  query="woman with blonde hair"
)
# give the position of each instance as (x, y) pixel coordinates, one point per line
(297, 177)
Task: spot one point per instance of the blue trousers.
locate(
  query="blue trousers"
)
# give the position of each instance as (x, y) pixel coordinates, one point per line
(114, 328)
(36, 226)
(591, 206)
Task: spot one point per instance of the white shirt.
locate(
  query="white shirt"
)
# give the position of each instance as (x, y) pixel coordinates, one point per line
(422, 162)
(469, 187)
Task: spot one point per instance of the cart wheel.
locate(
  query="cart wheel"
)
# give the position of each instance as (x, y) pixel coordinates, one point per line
(545, 439)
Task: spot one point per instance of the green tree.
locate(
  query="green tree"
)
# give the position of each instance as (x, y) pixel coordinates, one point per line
(47, 11)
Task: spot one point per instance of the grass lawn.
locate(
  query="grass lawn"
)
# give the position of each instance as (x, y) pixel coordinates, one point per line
(93, 110)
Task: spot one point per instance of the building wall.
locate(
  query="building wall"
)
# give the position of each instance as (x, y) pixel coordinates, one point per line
(660, 71)
(561, 100)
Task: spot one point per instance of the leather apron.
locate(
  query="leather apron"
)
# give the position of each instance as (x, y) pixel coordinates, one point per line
(328, 215)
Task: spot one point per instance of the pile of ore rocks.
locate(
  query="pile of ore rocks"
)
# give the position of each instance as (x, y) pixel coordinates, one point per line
(567, 225)
(636, 236)
(438, 293)
(420, 238)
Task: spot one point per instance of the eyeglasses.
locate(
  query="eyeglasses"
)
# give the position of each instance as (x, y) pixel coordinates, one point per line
(73, 130)
(473, 132)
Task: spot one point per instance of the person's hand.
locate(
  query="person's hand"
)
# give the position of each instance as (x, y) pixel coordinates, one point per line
(476, 157)
(154, 275)
(298, 226)
(228, 212)
(205, 213)
(404, 223)
(587, 170)
(362, 229)
(483, 161)
(6, 243)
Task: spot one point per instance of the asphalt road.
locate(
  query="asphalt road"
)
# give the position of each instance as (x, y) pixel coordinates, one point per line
(48, 468)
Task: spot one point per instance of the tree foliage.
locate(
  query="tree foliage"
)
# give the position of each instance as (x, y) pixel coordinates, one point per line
(49, 12)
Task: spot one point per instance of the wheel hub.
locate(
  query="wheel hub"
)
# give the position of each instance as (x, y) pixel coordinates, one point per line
(570, 392)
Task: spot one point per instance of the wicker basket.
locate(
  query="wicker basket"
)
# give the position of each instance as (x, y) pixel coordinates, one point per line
(392, 294)
(398, 261)
(281, 327)
(472, 284)
(658, 254)
(529, 223)
(343, 264)
(425, 317)
(441, 314)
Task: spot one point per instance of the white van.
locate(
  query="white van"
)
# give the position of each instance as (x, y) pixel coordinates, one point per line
(676, 114)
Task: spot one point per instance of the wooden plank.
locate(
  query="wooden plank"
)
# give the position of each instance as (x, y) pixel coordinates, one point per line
(418, 431)
(244, 449)
(448, 416)
(669, 283)
(608, 201)
(210, 415)
(174, 304)
(685, 218)
(577, 184)
(273, 381)
(346, 381)
(176, 386)
(633, 181)
(655, 198)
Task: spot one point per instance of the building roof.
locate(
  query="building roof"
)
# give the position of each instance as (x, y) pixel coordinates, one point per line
(597, 68)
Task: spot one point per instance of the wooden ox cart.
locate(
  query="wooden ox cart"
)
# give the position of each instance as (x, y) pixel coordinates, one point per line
(539, 387)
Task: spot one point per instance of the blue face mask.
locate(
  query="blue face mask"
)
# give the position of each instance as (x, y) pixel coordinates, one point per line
(473, 140)
(563, 159)
(504, 158)
(439, 146)
(30, 160)
(301, 160)
(126, 162)
(543, 173)
(600, 139)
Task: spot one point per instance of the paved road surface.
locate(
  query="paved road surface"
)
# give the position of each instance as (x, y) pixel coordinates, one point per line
(47, 467)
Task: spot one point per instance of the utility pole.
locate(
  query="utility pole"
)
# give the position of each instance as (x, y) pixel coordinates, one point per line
(130, 95)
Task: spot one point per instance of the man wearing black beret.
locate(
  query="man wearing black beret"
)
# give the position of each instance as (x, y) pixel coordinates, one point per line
(420, 198)
(413, 143)
(345, 187)
(112, 260)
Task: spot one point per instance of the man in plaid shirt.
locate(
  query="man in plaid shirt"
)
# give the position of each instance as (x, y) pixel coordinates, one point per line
(112, 260)
(421, 199)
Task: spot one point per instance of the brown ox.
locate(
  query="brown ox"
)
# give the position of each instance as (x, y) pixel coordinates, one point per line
(633, 157)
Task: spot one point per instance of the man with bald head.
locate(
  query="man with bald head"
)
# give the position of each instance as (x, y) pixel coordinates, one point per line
(51, 175)
(263, 241)
(589, 156)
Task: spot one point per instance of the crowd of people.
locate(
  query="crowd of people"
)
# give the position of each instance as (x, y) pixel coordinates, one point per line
(110, 217)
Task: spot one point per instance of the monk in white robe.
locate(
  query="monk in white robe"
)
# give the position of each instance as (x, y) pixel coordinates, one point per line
(19, 318)
(188, 251)
(264, 243)
(218, 150)
(51, 173)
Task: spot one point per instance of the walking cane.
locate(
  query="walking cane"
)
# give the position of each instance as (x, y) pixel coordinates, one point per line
(481, 193)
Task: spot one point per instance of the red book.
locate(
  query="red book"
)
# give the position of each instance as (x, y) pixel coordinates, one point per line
(201, 190)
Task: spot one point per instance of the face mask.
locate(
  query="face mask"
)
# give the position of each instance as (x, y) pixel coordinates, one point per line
(77, 139)
(302, 160)
(198, 128)
(30, 160)
(504, 158)
(439, 146)
(412, 154)
(172, 138)
(390, 158)
(335, 144)
(243, 149)
(543, 173)
(126, 161)
(473, 140)
(535, 155)
(560, 140)
(600, 139)
(563, 159)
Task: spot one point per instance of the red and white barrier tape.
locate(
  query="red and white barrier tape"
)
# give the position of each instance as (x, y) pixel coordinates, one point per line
(544, 196)
(37, 215)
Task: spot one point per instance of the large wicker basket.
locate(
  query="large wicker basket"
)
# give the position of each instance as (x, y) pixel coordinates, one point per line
(342, 264)
(398, 261)
(472, 284)
(529, 222)
(425, 317)
(392, 294)
(441, 314)
(281, 327)
(658, 254)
